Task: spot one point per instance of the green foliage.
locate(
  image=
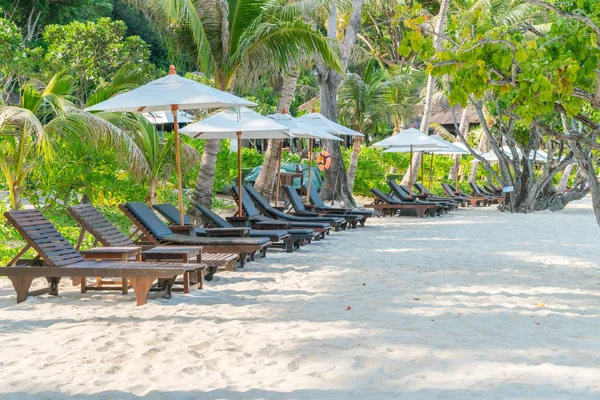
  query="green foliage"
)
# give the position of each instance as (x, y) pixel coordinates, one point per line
(12, 50)
(92, 51)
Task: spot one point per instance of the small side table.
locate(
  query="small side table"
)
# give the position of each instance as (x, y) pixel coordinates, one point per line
(191, 279)
(111, 254)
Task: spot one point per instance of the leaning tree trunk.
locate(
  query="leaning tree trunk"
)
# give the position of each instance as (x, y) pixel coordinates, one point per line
(203, 191)
(268, 173)
(353, 163)
(335, 186)
(481, 147)
(437, 42)
(463, 127)
(564, 179)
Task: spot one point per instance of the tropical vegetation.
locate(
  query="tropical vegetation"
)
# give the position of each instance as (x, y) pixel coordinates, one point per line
(528, 70)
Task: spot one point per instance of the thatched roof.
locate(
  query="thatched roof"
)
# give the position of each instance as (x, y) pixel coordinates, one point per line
(441, 113)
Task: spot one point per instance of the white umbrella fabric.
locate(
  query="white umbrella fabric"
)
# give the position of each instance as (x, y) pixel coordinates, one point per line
(237, 124)
(320, 121)
(171, 93)
(164, 117)
(300, 129)
(410, 139)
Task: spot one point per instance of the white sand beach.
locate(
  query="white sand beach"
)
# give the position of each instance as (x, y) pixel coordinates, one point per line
(477, 304)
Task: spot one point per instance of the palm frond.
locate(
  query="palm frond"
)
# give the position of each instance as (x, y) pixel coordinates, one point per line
(127, 77)
(97, 128)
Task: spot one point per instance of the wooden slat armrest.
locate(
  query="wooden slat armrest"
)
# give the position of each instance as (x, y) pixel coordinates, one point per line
(183, 229)
(228, 232)
(272, 225)
(243, 221)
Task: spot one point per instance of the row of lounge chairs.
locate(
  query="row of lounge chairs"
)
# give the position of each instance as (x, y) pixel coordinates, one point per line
(156, 254)
(399, 200)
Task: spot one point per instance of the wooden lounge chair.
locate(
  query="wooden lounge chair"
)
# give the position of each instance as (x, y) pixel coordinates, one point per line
(401, 192)
(390, 206)
(319, 205)
(293, 240)
(301, 211)
(430, 196)
(474, 201)
(155, 232)
(257, 219)
(479, 192)
(57, 258)
(493, 197)
(267, 209)
(275, 236)
(104, 232)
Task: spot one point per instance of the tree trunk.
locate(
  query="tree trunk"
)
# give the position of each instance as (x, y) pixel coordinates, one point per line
(335, 186)
(266, 179)
(482, 147)
(463, 127)
(437, 42)
(15, 197)
(353, 163)
(202, 193)
(151, 198)
(564, 179)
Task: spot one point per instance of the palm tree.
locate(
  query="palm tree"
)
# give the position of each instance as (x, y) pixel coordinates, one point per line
(371, 103)
(234, 40)
(28, 131)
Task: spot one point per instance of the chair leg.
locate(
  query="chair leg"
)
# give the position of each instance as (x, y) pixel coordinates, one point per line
(141, 286)
(21, 285)
(289, 245)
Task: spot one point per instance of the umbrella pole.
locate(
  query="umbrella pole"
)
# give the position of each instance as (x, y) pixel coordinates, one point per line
(431, 171)
(423, 169)
(456, 171)
(278, 173)
(239, 144)
(310, 160)
(174, 109)
(410, 176)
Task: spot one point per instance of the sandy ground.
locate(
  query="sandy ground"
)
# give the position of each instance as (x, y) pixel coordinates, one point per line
(473, 305)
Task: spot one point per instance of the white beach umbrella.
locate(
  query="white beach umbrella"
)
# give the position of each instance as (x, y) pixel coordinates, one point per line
(410, 139)
(164, 117)
(237, 124)
(301, 129)
(320, 121)
(448, 148)
(171, 93)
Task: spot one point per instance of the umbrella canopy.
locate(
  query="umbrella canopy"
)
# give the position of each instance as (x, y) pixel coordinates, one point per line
(320, 121)
(237, 124)
(228, 123)
(409, 138)
(162, 93)
(464, 147)
(301, 128)
(446, 148)
(171, 93)
(163, 117)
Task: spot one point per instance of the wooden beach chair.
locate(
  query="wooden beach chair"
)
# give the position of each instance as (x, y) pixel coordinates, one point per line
(301, 211)
(291, 239)
(268, 210)
(474, 201)
(106, 234)
(430, 196)
(319, 205)
(57, 258)
(390, 206)
(254, 217)
(152, 231)
(492, 197)
(401, 192)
